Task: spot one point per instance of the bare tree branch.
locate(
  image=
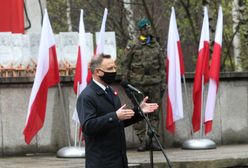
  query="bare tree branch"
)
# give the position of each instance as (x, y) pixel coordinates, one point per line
(186, 8)
(149, 17)
(229, 44)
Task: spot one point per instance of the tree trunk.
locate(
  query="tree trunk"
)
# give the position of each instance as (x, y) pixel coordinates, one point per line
(68, 15)
(129, 16)
(236, 40)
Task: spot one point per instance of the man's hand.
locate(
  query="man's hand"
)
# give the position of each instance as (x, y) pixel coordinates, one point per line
(124, 114)
(148, 107)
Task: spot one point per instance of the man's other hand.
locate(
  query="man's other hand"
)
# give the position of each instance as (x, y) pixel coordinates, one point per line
(148, 107)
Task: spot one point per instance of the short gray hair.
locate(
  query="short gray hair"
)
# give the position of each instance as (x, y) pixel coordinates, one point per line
(97, 61)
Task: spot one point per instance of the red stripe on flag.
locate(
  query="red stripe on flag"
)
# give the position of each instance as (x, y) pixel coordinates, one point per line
(182, 71)
(37, 113)
(214, 72)
(205, 63)
(208, 126)
(78, 73)
(53, 71)
(197, 90)
(170, 124)
(89, 76)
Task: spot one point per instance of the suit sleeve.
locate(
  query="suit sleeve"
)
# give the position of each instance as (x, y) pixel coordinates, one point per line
(91, 123)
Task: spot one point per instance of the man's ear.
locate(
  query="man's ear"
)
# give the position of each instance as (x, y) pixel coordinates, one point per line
(98, 72)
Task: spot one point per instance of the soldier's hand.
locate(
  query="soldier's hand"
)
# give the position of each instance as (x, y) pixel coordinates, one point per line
(124, 114)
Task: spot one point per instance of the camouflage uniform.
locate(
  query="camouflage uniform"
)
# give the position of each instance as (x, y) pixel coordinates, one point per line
(144, 68)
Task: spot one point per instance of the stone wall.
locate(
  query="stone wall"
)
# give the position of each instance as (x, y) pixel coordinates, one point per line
(230, 125)
(19, 52)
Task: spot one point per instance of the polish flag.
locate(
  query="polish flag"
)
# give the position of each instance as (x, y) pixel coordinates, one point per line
(202, 67)
(214, 74)
(100, 41)
(47, 75)
(174, 96)
(82, 74)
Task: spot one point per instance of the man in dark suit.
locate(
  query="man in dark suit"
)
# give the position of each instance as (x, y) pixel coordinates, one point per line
(103, 118)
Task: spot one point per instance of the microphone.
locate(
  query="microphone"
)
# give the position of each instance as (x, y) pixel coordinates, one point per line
(125, 84)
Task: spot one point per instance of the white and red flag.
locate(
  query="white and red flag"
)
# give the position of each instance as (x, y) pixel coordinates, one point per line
(214, 74)
(82, 74)
(100, 41)
(47, 75)
(174, 71)
(201, 73)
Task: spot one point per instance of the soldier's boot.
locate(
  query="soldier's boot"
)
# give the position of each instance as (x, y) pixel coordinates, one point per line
(143, 145)
(154, 122)
(155, 146)
(140, 130)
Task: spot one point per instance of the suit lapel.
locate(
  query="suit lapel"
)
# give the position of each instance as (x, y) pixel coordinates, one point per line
(100, 91)
(115, 98)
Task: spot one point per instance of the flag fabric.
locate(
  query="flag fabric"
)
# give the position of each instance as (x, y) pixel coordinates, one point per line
(100, 41)
(12, 16)
(174, 96)
(82, 74)
(214, 73)
(47, 75)
(180, 52)
(201, 73)
(82, 63)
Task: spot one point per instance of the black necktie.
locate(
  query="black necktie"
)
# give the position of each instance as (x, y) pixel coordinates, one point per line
(109, 93)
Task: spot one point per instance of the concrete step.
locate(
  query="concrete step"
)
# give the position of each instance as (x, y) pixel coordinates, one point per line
(134, 165)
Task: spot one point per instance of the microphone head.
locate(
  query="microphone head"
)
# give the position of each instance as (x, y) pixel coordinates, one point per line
(124, 83)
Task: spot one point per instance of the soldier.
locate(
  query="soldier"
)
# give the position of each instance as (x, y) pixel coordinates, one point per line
(144, 67)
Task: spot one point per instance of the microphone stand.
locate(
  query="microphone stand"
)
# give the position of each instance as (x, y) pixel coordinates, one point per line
(151, 132)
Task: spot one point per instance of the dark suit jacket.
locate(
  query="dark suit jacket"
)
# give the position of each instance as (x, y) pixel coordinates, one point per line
(103, 132)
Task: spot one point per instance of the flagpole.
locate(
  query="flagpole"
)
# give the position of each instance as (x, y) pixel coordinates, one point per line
(76, 124)
(64, 114)
(80, 140)
(69, 151)
(187, 101)
(201, 123)
(75, 134)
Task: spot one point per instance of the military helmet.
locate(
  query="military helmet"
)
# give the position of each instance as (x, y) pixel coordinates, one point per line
(143, 22)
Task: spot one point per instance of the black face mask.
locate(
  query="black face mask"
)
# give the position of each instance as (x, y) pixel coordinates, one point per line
(108, 77)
